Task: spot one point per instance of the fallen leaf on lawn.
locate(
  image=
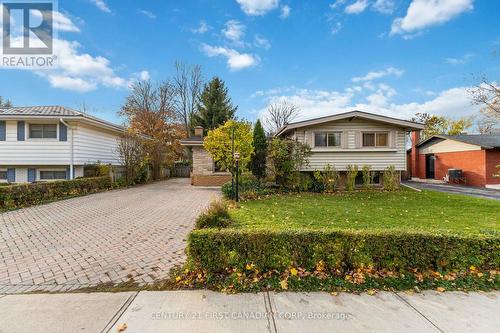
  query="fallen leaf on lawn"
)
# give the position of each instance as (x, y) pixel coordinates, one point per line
(284, 284)
(122, 327)
(440, 289)
(177, 279)
(334, 293)
(371, 292)
(293, 271)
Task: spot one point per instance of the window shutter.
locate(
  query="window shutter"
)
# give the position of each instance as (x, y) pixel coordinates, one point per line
(63, 132)
(20, 130)
(393, 137)
(343, 139)
(31, 175)
(2, 131)
(359, 139)
(11, 175)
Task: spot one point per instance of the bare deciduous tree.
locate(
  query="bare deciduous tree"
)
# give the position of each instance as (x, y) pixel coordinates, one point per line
(131, 155)
(150, 110)
(279, 114)
(188, 84)
(487, 121)
(487, 94)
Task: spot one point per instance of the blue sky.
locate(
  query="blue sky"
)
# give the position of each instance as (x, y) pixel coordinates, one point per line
(393, 57)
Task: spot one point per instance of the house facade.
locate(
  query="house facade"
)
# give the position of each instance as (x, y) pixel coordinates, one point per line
(476, 156)
(204, 171)
(46, 143)
(353, 138)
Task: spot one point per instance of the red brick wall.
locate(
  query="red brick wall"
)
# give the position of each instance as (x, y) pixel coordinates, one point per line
(472, 163)
(492, 160)
(421, 166)
(210, 180)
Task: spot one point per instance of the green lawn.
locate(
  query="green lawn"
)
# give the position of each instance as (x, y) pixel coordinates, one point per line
(404, 210)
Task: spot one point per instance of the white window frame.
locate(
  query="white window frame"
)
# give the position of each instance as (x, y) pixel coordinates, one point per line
(327, 146)
(27, 132)
(375, 139)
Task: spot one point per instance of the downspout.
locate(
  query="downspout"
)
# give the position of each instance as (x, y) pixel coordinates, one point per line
(71, 166)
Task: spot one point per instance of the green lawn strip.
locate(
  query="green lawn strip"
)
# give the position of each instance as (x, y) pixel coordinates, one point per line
(404, 210)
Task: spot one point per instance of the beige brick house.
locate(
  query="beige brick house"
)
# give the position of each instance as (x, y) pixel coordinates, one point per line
(204, 172)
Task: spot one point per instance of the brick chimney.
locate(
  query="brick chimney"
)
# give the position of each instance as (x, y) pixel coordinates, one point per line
(198, 131)
(414, 158)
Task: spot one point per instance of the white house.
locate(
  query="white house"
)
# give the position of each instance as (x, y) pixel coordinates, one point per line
(353, 138)
(53, 142)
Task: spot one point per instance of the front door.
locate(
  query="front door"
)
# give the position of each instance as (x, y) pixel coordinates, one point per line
(429, 166)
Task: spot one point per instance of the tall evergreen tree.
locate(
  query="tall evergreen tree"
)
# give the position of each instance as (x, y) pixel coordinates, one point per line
(258, 163)
(214, 107)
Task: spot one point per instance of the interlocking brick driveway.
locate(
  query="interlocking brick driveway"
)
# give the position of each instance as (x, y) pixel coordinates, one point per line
(136, 233)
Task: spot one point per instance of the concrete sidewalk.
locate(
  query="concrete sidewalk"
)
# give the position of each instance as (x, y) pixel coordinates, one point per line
(205, 311)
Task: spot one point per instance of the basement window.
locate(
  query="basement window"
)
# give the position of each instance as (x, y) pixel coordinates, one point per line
(51, 175)
(3, 175)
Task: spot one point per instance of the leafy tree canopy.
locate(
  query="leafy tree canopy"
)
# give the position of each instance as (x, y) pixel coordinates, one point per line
(442, 125)
(218, 144)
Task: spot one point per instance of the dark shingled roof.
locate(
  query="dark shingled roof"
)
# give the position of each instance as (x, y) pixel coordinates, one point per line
(487, 141)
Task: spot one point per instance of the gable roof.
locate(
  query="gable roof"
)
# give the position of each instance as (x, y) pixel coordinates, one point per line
(486, 141)
(352, 114)
(55, 112)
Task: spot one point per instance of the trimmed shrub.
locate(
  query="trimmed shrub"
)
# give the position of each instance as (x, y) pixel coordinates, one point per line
(390, 178)
(247, 183)
(367, 176)
(17, 196)
(215, 216)
(352, 173)
(216, 251)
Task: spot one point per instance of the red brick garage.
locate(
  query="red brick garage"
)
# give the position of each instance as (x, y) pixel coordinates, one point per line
(476, 155)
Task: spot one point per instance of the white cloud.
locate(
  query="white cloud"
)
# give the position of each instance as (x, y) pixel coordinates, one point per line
(202, 28)
(257, 7)
(234, 31)
(262, 42)
(336, 28)
(357, 7)
(461, 60)
(384, 6)
(148, 14)
(80, 71)
(337, 3)
(101, 5)
(61, 21)
(235, 60)
(378, 74)
(285, 11)
(422, 14)
(71, 83)
(144, 76)
(453, 102)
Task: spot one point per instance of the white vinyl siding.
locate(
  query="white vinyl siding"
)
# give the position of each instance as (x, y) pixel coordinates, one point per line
(352, 152)
(32, 152)
(93, 144)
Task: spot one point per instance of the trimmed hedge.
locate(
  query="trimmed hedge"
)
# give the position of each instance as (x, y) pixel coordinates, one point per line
(215, 251)
(17, 196)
